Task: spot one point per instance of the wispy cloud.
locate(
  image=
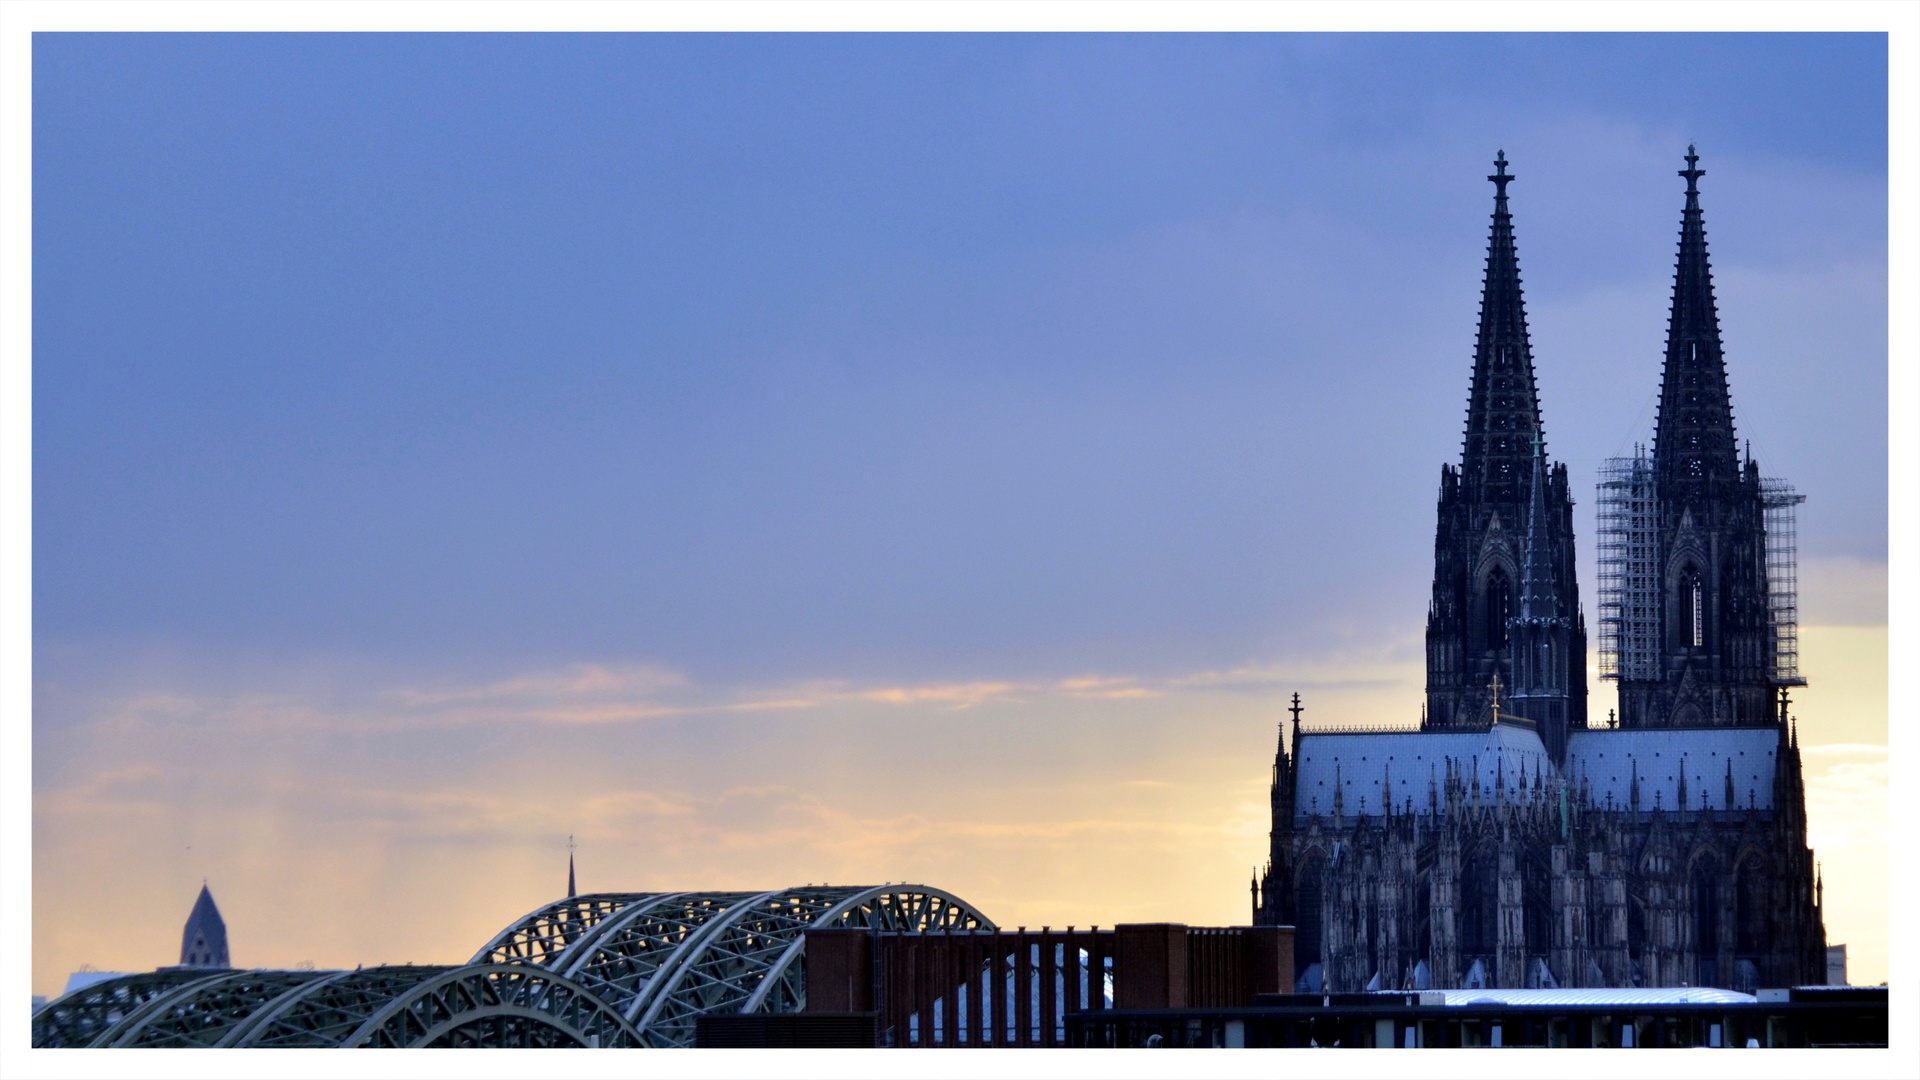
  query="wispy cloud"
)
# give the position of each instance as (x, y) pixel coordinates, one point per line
(591, 681)
(1112, 688)
(956, 695)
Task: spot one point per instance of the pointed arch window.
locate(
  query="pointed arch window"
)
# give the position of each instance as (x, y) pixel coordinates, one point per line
(1692, 611)
(1499, 608)
(1308, 900)
(1706, 924)
(1479, 913)
(1751, 932)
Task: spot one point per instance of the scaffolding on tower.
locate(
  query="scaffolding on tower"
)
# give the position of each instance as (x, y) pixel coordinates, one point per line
(1779, 501)
(1629, 582)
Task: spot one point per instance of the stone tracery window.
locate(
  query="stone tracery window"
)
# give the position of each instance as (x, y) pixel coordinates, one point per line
(1498, 607)
(1692, 620)
(1706, 923)
(1307, 899)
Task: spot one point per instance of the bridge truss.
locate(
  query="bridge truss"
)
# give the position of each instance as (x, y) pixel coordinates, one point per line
(601, 970)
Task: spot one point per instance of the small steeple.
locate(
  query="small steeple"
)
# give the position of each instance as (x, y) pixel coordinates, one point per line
(1503, 402)
(1693, 435)
(204, 941)
(571, 891)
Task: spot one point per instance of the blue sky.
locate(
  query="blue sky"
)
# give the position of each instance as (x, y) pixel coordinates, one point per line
(717, 372)
(765, 353)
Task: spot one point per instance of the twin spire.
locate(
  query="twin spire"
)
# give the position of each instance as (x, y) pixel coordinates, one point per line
(1693, 437)
(1503, 409)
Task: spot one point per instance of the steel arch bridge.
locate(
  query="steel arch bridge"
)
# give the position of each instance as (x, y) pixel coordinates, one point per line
(601, 970)
(663, 959)
(476, 1005)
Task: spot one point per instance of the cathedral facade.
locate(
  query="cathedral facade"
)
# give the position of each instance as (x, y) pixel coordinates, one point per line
(1507, 842)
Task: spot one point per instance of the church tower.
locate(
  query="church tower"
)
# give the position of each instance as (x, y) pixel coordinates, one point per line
(204, 941)
(1712, 637)
(1484, 529)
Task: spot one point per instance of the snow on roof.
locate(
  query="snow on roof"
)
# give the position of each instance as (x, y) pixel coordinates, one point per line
(1609, 758)
(1368, 763)
(1631, 995)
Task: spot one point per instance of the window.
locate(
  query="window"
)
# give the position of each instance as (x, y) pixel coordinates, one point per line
(1499, 607)
(1706, 925)
(1478, 931)
(1307, 900)
(1750, 910)
(1692, 621)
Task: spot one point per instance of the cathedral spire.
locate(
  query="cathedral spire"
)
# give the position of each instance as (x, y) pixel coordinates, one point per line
(1693, 437)
(1537, 600)
(571, 892)
(1502, 405)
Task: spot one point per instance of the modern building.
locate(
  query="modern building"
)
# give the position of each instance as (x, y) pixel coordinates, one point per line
(1508, 842)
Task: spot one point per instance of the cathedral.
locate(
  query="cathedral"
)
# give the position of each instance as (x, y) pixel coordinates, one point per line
(1509, 841)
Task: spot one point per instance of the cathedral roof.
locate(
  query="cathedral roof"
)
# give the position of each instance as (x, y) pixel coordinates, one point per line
(1611, 758)
(1506, 758)
(1361, 765)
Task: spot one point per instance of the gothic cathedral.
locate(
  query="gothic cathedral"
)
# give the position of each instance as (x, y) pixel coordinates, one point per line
(1507, 842)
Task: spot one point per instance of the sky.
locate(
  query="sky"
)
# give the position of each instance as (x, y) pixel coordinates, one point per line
(779, 459)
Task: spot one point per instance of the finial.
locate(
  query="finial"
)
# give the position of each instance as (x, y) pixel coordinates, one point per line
(1496, 696)
(1693, 172)
(1611, 722)
(1501, 177)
